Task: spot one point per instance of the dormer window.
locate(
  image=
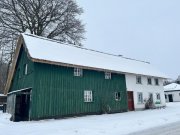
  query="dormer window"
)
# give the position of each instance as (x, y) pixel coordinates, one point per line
(107, 75)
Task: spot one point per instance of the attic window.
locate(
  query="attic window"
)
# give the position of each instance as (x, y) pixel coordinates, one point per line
(107, 75)
(78, 72)
(25, 69)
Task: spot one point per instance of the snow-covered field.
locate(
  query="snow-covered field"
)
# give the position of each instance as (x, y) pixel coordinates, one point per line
(107, 124)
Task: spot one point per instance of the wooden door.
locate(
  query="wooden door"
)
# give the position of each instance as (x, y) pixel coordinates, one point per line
(130, 101)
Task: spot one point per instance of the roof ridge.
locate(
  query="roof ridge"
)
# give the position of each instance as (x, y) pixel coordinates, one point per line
(80, 47)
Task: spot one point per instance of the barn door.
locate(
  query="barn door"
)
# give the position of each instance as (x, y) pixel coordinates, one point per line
(130, 101)
(22, 106)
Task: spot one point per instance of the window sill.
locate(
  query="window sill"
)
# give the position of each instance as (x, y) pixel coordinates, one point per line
(88, 101)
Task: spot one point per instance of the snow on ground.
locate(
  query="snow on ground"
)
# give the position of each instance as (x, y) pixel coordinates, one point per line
(107, 124)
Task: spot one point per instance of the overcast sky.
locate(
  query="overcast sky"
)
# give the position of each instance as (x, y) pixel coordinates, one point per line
(143, 29)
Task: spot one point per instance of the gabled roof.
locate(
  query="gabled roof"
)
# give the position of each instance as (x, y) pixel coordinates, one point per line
(172, 87)
(49, 51)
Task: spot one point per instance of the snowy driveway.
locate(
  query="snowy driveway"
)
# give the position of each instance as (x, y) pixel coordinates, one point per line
(108, 124)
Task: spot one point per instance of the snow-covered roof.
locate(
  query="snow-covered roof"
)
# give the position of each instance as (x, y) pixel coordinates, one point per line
(1, 95)
(54, 51)
(172, 87)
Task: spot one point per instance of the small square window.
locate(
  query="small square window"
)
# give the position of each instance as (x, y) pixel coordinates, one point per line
(107, 75)
(138, 80)
(78, 72)
(88, 97)
(117, 96)
(156, 81)
(25, 69)
(149, 81)
(158, 97)
(140, 97)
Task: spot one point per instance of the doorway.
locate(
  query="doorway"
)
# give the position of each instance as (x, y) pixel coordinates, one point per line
(170, 96)
(22, 106)
(130, 101)
(151, 97)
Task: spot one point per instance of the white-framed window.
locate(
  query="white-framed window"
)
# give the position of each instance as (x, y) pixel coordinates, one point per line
(156, 80)
(107, 75)
(117, 96)
(149, 81)
(88, 96)
(25, 69)
(158, 97)
(78, 72)
(138, 80)
(140, 97)
(151, 97)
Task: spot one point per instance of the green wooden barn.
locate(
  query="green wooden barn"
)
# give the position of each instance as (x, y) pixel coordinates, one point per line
(49, 79)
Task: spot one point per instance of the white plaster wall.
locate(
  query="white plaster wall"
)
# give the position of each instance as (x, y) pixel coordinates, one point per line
(145, 89)
(175, 94)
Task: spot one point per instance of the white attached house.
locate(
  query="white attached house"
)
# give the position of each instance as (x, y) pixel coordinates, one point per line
(172, 92)
(142, 87)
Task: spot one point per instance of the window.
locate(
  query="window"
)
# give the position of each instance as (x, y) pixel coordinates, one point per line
(151, 97)
(107, 75)
(25, 69)
(138, 80)
(149, 81)
(140, 97)
(156, 81)
(88, 97)
(78, 72)
(158, 96)
(117, 96)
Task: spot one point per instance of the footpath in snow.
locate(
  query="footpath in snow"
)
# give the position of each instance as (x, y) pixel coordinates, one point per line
(107, 124)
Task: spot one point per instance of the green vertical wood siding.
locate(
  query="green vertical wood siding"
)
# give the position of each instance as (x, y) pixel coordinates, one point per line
(21, 81)
(58, 93)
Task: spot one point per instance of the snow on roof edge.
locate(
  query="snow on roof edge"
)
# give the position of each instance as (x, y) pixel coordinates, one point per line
(80, 47)
(97, 52)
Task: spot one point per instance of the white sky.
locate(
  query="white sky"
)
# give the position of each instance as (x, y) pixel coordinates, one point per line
(143, 29)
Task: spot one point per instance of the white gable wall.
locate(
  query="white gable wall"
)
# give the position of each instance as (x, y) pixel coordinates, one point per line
(145, 89)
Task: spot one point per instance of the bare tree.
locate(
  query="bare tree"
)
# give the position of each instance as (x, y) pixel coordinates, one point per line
(55, 19)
